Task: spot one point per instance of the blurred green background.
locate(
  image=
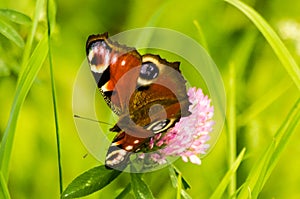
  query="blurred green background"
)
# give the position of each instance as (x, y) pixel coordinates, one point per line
(229, 36)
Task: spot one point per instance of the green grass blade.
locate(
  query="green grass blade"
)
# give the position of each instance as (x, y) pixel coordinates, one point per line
(4, 193)
(15, 16)
(32, 68)
(231, 122)
(10, 33)
(174, 172)
(51, 15)
(179, 186)
(139, 187)
(152, 22)
(265, 165)
(51, 12)
(254, 175)
(183, 184)
(263, 102)
(242, 52)
(202, 38)
(227, 178)
(173, 176)
(125, 191)
(273, 39)
(185, 195)
(281, 139)
(39, 9)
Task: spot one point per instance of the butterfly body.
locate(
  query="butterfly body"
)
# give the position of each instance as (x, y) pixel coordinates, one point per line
(146, 92)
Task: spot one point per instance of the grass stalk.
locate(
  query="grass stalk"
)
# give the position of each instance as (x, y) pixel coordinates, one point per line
(179, 184)
(50, 23)
(264, 102)
(28, 46)
(272, 38)
(218, 193)
(203, 41)
(34, 64)
(31, 64)
(4, 193)
(232, 126)
(263, 168)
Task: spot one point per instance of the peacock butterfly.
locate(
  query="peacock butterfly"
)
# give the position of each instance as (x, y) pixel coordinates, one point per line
(147, 93)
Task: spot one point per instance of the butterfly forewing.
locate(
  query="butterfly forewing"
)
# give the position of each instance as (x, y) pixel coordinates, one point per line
(108, 62)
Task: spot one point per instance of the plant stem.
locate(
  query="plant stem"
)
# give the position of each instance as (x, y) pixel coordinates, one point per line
(54, 100)
(203, 41)
(232, 126)
(179, 184)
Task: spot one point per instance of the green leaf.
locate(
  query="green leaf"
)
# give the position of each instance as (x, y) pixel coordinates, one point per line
(124, 192)
(273, 39)
(15, 16)
(10, 33)
(90, 181)
(174, 172)
(4, 193)
(32, 68)
(226, 179)
(139, 187)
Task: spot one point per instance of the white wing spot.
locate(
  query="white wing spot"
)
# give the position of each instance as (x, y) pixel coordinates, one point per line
(129, 147)
(123, 63)
(120, 157)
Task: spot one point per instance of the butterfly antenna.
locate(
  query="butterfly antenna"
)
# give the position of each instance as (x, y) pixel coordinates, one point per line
(85, 118)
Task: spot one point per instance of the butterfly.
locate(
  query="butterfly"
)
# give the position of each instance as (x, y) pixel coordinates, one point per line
(147, 93)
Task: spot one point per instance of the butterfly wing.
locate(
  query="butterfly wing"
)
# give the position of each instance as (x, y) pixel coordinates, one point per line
(147, 92)
(108, 62)
(157, 103)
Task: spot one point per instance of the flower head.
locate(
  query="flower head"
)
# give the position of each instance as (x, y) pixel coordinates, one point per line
(188, 138)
